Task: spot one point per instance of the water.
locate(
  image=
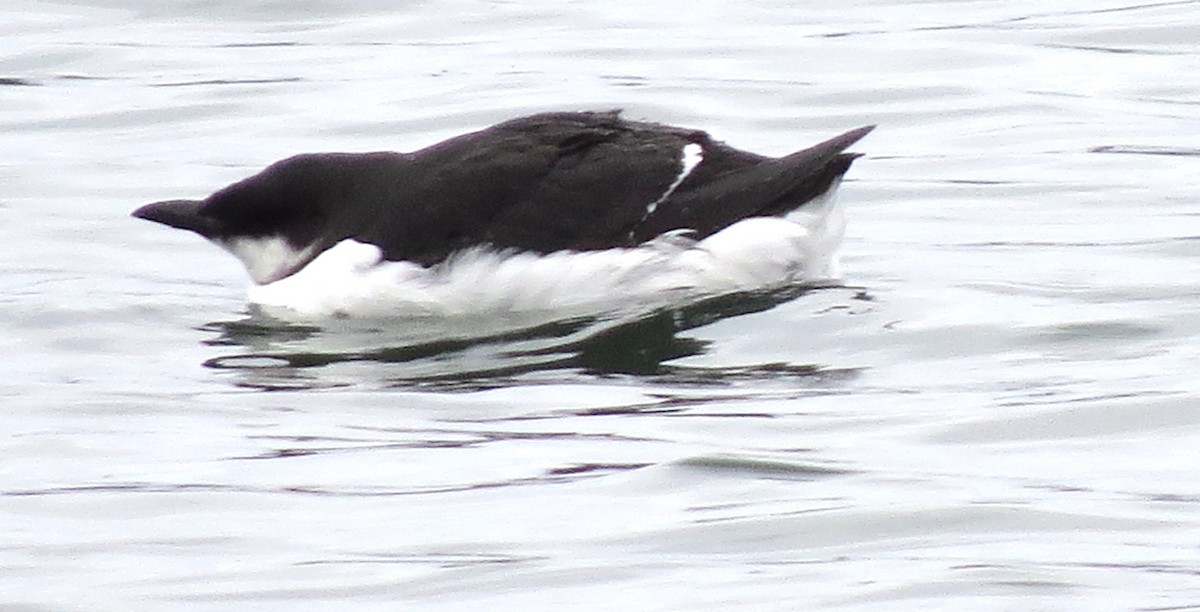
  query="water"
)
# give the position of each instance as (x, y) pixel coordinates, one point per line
(997, 411)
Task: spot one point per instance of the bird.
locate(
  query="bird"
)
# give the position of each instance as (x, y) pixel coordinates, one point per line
(574, 213)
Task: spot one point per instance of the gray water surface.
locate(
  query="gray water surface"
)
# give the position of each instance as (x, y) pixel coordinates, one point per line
(999, 409)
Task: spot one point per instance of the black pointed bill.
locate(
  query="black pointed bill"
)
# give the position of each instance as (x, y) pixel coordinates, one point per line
(181, 214)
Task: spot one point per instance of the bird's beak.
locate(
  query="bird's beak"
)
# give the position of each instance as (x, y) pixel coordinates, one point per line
(181, 214)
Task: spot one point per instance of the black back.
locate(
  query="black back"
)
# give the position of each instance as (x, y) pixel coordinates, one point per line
(584, 181)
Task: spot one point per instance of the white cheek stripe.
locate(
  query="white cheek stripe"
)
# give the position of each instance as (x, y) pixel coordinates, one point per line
(691, 157)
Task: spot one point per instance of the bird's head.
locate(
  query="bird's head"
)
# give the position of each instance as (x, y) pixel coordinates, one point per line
(278, 220)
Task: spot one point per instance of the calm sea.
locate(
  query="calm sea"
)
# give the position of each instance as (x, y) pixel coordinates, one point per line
(998, 410)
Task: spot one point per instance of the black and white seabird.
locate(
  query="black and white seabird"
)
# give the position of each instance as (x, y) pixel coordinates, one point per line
(555, 211)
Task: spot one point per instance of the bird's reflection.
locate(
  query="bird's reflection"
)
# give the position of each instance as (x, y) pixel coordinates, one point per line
(270, 354)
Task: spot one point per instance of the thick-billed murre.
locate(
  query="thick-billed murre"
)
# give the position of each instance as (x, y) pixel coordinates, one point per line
(553, 211)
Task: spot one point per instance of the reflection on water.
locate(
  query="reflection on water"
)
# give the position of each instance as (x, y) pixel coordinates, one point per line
(275, 355)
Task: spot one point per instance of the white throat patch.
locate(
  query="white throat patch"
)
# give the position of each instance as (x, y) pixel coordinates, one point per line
(267, 258)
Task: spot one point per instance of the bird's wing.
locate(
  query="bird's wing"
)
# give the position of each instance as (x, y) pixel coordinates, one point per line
(583, 181)
(576, 181)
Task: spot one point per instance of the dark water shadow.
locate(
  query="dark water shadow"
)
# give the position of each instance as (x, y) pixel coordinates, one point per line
(274, 355)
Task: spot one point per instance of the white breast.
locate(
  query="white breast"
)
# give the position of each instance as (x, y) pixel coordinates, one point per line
(350, 279)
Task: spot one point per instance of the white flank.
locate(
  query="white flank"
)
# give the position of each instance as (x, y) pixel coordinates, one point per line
(512, 289)
(689, 158)
(267, 259)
